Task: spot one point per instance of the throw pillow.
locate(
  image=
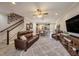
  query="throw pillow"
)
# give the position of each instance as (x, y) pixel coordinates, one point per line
(34, 34)
(23, 37)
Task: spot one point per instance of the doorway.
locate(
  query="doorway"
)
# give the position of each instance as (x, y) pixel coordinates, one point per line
(43, 29)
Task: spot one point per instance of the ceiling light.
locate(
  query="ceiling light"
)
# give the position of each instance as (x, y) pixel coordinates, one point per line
(39, 13)
(56, 13)
(14, 3)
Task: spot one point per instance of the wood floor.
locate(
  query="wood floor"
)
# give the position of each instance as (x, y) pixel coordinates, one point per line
(43, 47)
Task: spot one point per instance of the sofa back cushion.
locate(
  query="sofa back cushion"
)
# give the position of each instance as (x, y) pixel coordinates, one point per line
(24, 33)
(29, 35)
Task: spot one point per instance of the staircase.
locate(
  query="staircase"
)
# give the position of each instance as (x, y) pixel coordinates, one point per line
(12, 35)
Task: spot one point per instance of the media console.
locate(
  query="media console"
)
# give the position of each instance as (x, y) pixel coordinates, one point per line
(70, 42)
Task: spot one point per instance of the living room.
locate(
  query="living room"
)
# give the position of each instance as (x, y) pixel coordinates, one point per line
(37, 29)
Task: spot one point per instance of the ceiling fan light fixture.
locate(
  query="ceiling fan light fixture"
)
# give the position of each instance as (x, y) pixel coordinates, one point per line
(40, 16)
(39, 13)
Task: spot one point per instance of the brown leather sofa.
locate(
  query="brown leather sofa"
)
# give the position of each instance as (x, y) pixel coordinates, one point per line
(25, 44)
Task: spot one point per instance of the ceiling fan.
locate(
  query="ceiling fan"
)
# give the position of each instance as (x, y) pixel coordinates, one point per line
(39, 13)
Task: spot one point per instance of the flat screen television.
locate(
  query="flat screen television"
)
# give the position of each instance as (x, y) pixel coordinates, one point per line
(72, 24)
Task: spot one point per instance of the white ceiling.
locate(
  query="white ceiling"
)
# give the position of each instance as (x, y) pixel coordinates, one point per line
(26, 8)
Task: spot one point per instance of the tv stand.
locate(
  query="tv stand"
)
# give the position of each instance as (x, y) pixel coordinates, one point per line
(70, 42)
(74, 36)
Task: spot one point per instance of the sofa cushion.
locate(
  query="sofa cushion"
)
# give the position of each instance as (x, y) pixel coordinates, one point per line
(28, 35)
(32, 40)
(23, 37)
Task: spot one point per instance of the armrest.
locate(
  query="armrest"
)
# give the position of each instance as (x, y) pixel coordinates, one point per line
(17, 41)
(20, 42)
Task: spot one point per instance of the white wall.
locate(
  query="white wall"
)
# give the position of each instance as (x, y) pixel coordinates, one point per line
(52, 29)
(69, 15)
(3, 21)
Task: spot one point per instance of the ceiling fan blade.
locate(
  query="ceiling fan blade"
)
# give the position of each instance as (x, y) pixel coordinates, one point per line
(34, 15)
(38, 10)
(45, 13)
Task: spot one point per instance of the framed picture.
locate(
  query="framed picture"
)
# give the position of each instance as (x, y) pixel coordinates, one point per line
(29, 26)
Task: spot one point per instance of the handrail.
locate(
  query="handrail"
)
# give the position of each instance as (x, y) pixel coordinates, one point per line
(8, 31)
(16, 26)
(10, 26)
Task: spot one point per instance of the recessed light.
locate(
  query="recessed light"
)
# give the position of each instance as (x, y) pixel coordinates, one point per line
(56, 13)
